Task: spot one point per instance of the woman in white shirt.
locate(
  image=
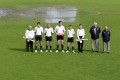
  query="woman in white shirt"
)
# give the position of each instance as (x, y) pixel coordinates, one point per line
(29, 35)
(80, 36)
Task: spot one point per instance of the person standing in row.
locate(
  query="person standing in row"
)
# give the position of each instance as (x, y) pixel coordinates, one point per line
(70, 33)
(48, 36)
(95, 31)
(38, 36)
(80, 36)
(106, 39)
(60, 30)
(29, 35)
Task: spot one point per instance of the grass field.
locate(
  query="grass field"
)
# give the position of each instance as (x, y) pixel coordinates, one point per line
(16, 64)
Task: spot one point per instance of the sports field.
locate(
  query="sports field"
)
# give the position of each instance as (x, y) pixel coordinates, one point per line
(16, 64)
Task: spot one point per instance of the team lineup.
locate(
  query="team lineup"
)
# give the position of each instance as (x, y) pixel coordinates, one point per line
(60, 31)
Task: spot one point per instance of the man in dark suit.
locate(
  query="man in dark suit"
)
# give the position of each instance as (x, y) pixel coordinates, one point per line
(95, 31)
(106, 39)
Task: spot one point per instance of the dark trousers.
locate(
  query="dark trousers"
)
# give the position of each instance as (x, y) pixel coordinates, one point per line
(29, 46)
(80, 46)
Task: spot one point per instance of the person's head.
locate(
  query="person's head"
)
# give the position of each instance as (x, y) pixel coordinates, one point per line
(95, 24)
(106, 27)
(70, 26)
(29, 27)
(60, 23)
(48, 25)
(38, 23)
(80, 26)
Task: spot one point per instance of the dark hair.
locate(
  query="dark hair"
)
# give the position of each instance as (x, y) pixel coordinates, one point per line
(80, 24)
(38, 23)
(59, 21)
(70, 25)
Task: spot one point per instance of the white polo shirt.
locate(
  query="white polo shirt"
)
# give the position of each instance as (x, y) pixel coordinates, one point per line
(80, 32)
(59, 30)
(38, 30)
(29, 34)
(48, 31)
(70, 32)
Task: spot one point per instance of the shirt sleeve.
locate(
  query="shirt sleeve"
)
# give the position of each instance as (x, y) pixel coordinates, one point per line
(55, 29)
(52, 30)
(33, 33)
(78, 33)
(63, 29)
(83, 33)
(26, 36)
(42, 30)
(73, 31)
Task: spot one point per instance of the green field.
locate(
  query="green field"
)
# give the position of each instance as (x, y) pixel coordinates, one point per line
(16, 64)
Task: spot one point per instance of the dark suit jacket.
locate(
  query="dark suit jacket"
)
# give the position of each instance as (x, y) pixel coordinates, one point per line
(93, 35)
(106, 35)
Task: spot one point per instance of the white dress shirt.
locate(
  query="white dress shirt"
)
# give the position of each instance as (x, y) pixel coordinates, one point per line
(48, 31)
(80, 32)
(38, 30)
(70, 32)
(29, 34)
(59, 30)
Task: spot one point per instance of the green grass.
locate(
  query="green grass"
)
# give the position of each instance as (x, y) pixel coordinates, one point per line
(16, 64)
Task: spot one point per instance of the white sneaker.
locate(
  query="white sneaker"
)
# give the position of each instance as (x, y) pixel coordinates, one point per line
(41, 51)
(50, 50)
(35, 51)
(73, 51)
(63, 51)
(67, 51)
(46, 50)
(56, 51)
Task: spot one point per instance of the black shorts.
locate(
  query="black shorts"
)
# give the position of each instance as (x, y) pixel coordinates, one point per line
(48, 38)
(70, 39)
(38, 38)
(60, 37)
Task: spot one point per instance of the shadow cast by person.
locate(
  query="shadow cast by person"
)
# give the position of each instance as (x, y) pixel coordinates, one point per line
(18, 49)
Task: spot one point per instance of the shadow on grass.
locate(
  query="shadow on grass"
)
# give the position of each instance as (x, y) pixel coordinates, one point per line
(18, 49)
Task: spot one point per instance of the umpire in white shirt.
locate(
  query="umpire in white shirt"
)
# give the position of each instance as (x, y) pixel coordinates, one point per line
(95, 31)
(106, 39)
(80, 36)
(60, 30)
(29, 35)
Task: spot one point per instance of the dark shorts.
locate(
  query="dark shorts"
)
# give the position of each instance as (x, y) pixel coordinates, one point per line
(38, 38)
(48, 38)
(71, 39)
(60, 37)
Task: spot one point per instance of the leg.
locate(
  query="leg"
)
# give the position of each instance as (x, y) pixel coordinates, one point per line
(97, 45)
(82, 46)
(57, 47)
(78, 46)
(68, 44)
(36, 45)
(50, 42)
(62, 46)
(41, 45)
(108, 46)
(31, 46)
(93, 45)
(27, 46)
(47, 42)
(104, 47)
(72, 46)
